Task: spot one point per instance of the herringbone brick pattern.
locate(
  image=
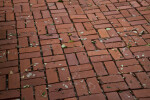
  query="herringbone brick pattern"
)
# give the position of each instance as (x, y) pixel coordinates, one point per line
(74, 49)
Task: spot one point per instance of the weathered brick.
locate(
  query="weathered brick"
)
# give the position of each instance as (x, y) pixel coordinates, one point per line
(52, 76)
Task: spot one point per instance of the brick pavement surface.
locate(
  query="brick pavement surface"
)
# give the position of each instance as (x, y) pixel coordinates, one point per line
(74, 49)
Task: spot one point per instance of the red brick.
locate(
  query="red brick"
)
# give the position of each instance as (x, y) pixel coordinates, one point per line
(73, 44)
(3, 34)
(29, 49)
(51, 41)
(12, 94)
(124, 22)
(51, 29)
(144, 79)
(37, 63)
(14, 81)
(27, 94)
(82, 57)
(111, 67)
(99, 45)
(135, 18)
(8, 46)
(20, 24)
(56, 64)
(101, 58)
(52, 76)
(103, 33)
(9, 16)
(111, 6)
(37, 14)
(135, 4)
(71, 99)
(9, 64)
(9, 41)
(116, 54)
(142, 54)
(145, 63)
(115, 45)
(3, 82)
(129, 41)
(127, 62)
(114, 39)
(114, 16)
(41, 93)
(93, 97)
(140, 48)
(142, 93)
(130, 68)
(5, 71)
(63, 85)
(91, 17)
(126, 95)
(33, 40)
(97, 52)
(45, 14)
(104, 8)
(88, 26)
(77, 16)
(81, 88)
(73, 50)
(66, 19)
(100, 69)
(71, 58)
(30, 55)
(29, 23)
(31, 75)
(46, 50)
(12, 54)
(62, 94)
(63, 74)
(3, 56)
(88, 45)
(33, 82)
(23, 42)
(126, 53)
(54, 58)
(131, 81)
(79, 68)
(65, 38)
(113, 96)
(144, 98)
(115, 86)
(60, 5)
(138, 22)
(84, 74)
(111, 13)
(25, 64)
(93, 85)
(100, 15)
(111, 79)
(57, 49)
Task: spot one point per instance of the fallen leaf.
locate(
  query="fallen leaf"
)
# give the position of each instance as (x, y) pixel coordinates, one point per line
(43, 94)
(26, 86)
(11, 72)
(108, 29)
(69, 34)
(70, 41)
(68, 78)
(63, 46)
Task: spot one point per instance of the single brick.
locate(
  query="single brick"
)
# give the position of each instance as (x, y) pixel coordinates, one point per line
(51, 75)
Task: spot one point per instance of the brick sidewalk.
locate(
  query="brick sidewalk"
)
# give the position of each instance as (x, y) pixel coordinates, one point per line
(74, 49)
